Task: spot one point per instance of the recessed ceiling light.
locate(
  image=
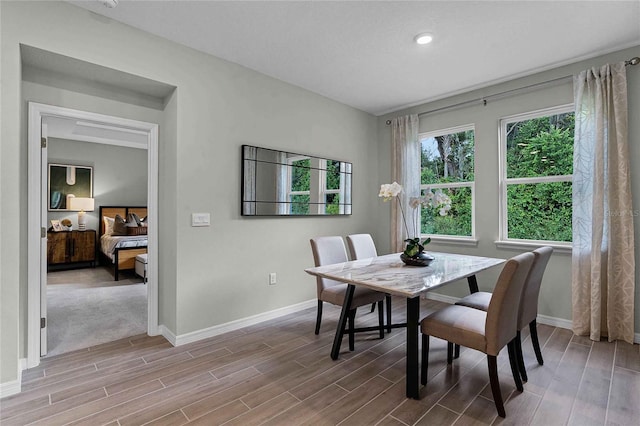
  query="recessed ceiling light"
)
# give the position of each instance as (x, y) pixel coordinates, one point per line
(424, 38)
(109, 3)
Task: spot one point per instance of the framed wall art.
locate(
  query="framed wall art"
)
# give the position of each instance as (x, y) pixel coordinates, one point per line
(67, 180)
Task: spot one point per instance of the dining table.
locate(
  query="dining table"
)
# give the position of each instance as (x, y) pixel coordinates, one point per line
(388, 274)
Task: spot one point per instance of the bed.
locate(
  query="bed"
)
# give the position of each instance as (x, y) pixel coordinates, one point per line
(119, 251)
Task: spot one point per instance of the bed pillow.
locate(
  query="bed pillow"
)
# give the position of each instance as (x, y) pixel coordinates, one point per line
(133, 220)
(119, 226)
(108, 225)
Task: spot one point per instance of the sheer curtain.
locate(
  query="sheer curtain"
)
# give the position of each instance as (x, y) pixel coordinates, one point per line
(603, 265)
(248, 184)
(282, 179)
(405, 170)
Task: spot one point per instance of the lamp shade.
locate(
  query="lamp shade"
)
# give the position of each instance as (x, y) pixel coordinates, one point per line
(81, 204)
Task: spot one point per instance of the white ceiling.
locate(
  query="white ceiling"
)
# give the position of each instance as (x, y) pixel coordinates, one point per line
(361, 53)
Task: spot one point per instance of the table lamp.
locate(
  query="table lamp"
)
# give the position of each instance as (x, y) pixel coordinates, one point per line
(80, 205)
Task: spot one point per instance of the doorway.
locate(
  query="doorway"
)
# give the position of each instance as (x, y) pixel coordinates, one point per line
(99, 129)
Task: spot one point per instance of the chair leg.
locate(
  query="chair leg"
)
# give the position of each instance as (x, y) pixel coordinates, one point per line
(381, 319)
(495, 384)
(373, 306)
(388, 302)
(425, 359)
(533, 330)
(352, 317)
(449, 352)
(456, 351)
(319, 317)
(520, 358)
(513, 362)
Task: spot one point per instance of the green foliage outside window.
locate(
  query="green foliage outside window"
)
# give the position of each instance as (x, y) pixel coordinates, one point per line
(301, 175)
(333, 174)
(540, 211)
(456, 222)
(449, 158)
(300, 181)
(300, 204)
(332, 202)
(540, 147)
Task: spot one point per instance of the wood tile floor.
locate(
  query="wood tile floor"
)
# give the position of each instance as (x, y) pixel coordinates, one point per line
(279, 373)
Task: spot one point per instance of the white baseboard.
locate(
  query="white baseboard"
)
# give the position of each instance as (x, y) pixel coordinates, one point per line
(15, 386)
(167, 334)
(555, 322)
(10, 388)
(216, 330)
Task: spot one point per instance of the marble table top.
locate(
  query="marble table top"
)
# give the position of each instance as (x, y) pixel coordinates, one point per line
(388, 274)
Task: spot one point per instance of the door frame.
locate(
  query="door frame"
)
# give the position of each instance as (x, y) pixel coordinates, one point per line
(37, 261)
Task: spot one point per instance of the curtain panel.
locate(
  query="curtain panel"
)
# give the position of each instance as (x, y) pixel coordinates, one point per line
(603, 261)
(405, 170)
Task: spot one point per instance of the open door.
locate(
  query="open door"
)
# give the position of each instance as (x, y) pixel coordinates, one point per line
(43, 240)
(44, 121)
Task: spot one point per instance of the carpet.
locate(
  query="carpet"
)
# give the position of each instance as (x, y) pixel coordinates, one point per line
(84, 314)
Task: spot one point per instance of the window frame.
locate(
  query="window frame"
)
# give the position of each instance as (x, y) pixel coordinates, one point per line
(503, 240)
(455, 239)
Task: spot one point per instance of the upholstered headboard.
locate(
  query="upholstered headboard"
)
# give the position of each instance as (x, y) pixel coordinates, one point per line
(123, 211)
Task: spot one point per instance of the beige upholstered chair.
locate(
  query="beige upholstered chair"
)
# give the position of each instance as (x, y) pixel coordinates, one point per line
(328, 250)
(361, 246)
(528, 305)
(488, 331)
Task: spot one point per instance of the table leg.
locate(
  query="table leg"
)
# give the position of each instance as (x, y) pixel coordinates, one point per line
(344, 315)
(473, 284)
(413, 318)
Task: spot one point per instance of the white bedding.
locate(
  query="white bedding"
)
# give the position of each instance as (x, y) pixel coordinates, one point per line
(108, 243)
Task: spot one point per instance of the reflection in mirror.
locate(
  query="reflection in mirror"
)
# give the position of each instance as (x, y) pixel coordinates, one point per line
(277, 183)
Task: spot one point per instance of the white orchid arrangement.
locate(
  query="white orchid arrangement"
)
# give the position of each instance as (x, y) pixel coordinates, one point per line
(430, 199)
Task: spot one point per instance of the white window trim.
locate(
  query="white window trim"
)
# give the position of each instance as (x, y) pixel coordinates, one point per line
(465, 240)
(503, 241)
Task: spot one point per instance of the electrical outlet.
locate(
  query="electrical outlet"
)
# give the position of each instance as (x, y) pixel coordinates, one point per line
(272, 278)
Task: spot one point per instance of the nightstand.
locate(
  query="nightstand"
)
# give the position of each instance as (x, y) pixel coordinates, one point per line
(71, 248)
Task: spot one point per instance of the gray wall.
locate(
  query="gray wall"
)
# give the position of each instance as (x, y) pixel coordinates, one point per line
(555, 297)
(119, 175)
(210, 275)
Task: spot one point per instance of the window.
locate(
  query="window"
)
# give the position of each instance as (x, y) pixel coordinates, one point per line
(447, 165)
(536, 173)
(318, 186)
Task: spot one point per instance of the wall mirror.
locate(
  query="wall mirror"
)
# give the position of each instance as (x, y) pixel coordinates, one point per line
(278, 183)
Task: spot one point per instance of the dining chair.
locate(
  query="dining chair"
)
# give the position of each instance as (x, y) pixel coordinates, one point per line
(528, 311)
(329, 250)
(361, 246)
(487, 332)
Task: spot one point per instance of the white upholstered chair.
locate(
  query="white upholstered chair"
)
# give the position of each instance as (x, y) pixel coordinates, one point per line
(361, 246)
(329, 250)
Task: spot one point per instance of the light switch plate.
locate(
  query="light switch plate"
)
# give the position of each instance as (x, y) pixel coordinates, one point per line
(200, 219)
